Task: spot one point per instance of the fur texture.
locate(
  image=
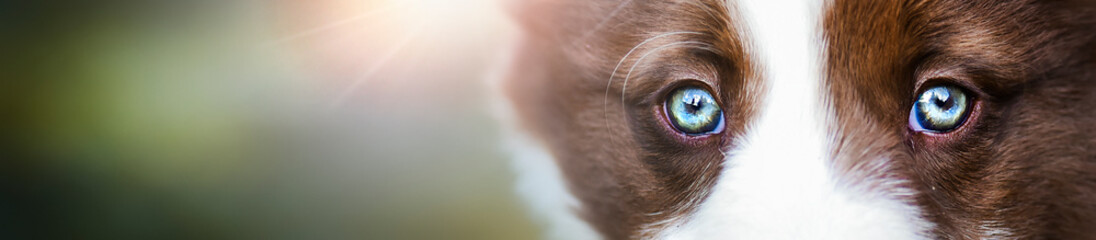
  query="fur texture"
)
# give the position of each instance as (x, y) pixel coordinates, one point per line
(816, 98)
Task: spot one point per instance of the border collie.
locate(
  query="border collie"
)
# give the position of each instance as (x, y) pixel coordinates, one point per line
(836, 119)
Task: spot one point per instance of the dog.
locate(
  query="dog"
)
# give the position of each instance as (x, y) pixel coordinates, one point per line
(835, 119)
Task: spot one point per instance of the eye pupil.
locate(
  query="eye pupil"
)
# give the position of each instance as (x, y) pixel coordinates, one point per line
(944, 102)
(692, 110)
(694, 104)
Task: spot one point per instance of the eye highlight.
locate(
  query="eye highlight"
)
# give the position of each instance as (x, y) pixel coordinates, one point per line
(940, 109)
(693, 111)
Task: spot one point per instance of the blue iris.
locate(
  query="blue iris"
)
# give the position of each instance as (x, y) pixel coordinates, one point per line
(694, 111)
(939, 109)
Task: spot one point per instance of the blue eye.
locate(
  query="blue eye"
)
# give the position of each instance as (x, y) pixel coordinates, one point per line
(939, 109)
(694, 111)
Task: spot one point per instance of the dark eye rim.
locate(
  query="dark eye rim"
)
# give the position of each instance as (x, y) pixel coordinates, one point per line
(663, 116)
(970, 119)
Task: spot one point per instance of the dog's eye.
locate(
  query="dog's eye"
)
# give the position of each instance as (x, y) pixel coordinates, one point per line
(939, 109)
(694, 111)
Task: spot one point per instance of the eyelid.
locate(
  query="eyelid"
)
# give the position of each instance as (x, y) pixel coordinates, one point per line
(673, 75)
(953, 75)
(669, 88)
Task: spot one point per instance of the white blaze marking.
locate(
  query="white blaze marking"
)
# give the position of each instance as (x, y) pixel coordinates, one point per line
(780, 184)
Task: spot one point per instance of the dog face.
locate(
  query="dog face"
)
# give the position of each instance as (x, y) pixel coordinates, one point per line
(832, 119)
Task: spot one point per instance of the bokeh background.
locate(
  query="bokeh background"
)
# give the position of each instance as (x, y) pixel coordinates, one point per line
(261, 119)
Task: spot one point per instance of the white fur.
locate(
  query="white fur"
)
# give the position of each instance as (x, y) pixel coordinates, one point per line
(780, 183)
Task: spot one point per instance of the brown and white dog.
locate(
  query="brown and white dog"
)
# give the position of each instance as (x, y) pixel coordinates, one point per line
(836, 119)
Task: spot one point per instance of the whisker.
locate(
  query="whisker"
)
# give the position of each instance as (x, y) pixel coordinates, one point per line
(609, 84)
(354, 85)
(330, 26)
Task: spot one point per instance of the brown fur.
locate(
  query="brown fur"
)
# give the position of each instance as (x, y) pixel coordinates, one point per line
(1024, 161)
(623, 164)
(1025, 158)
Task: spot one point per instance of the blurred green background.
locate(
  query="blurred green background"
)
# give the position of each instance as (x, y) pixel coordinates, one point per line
(327, 119)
